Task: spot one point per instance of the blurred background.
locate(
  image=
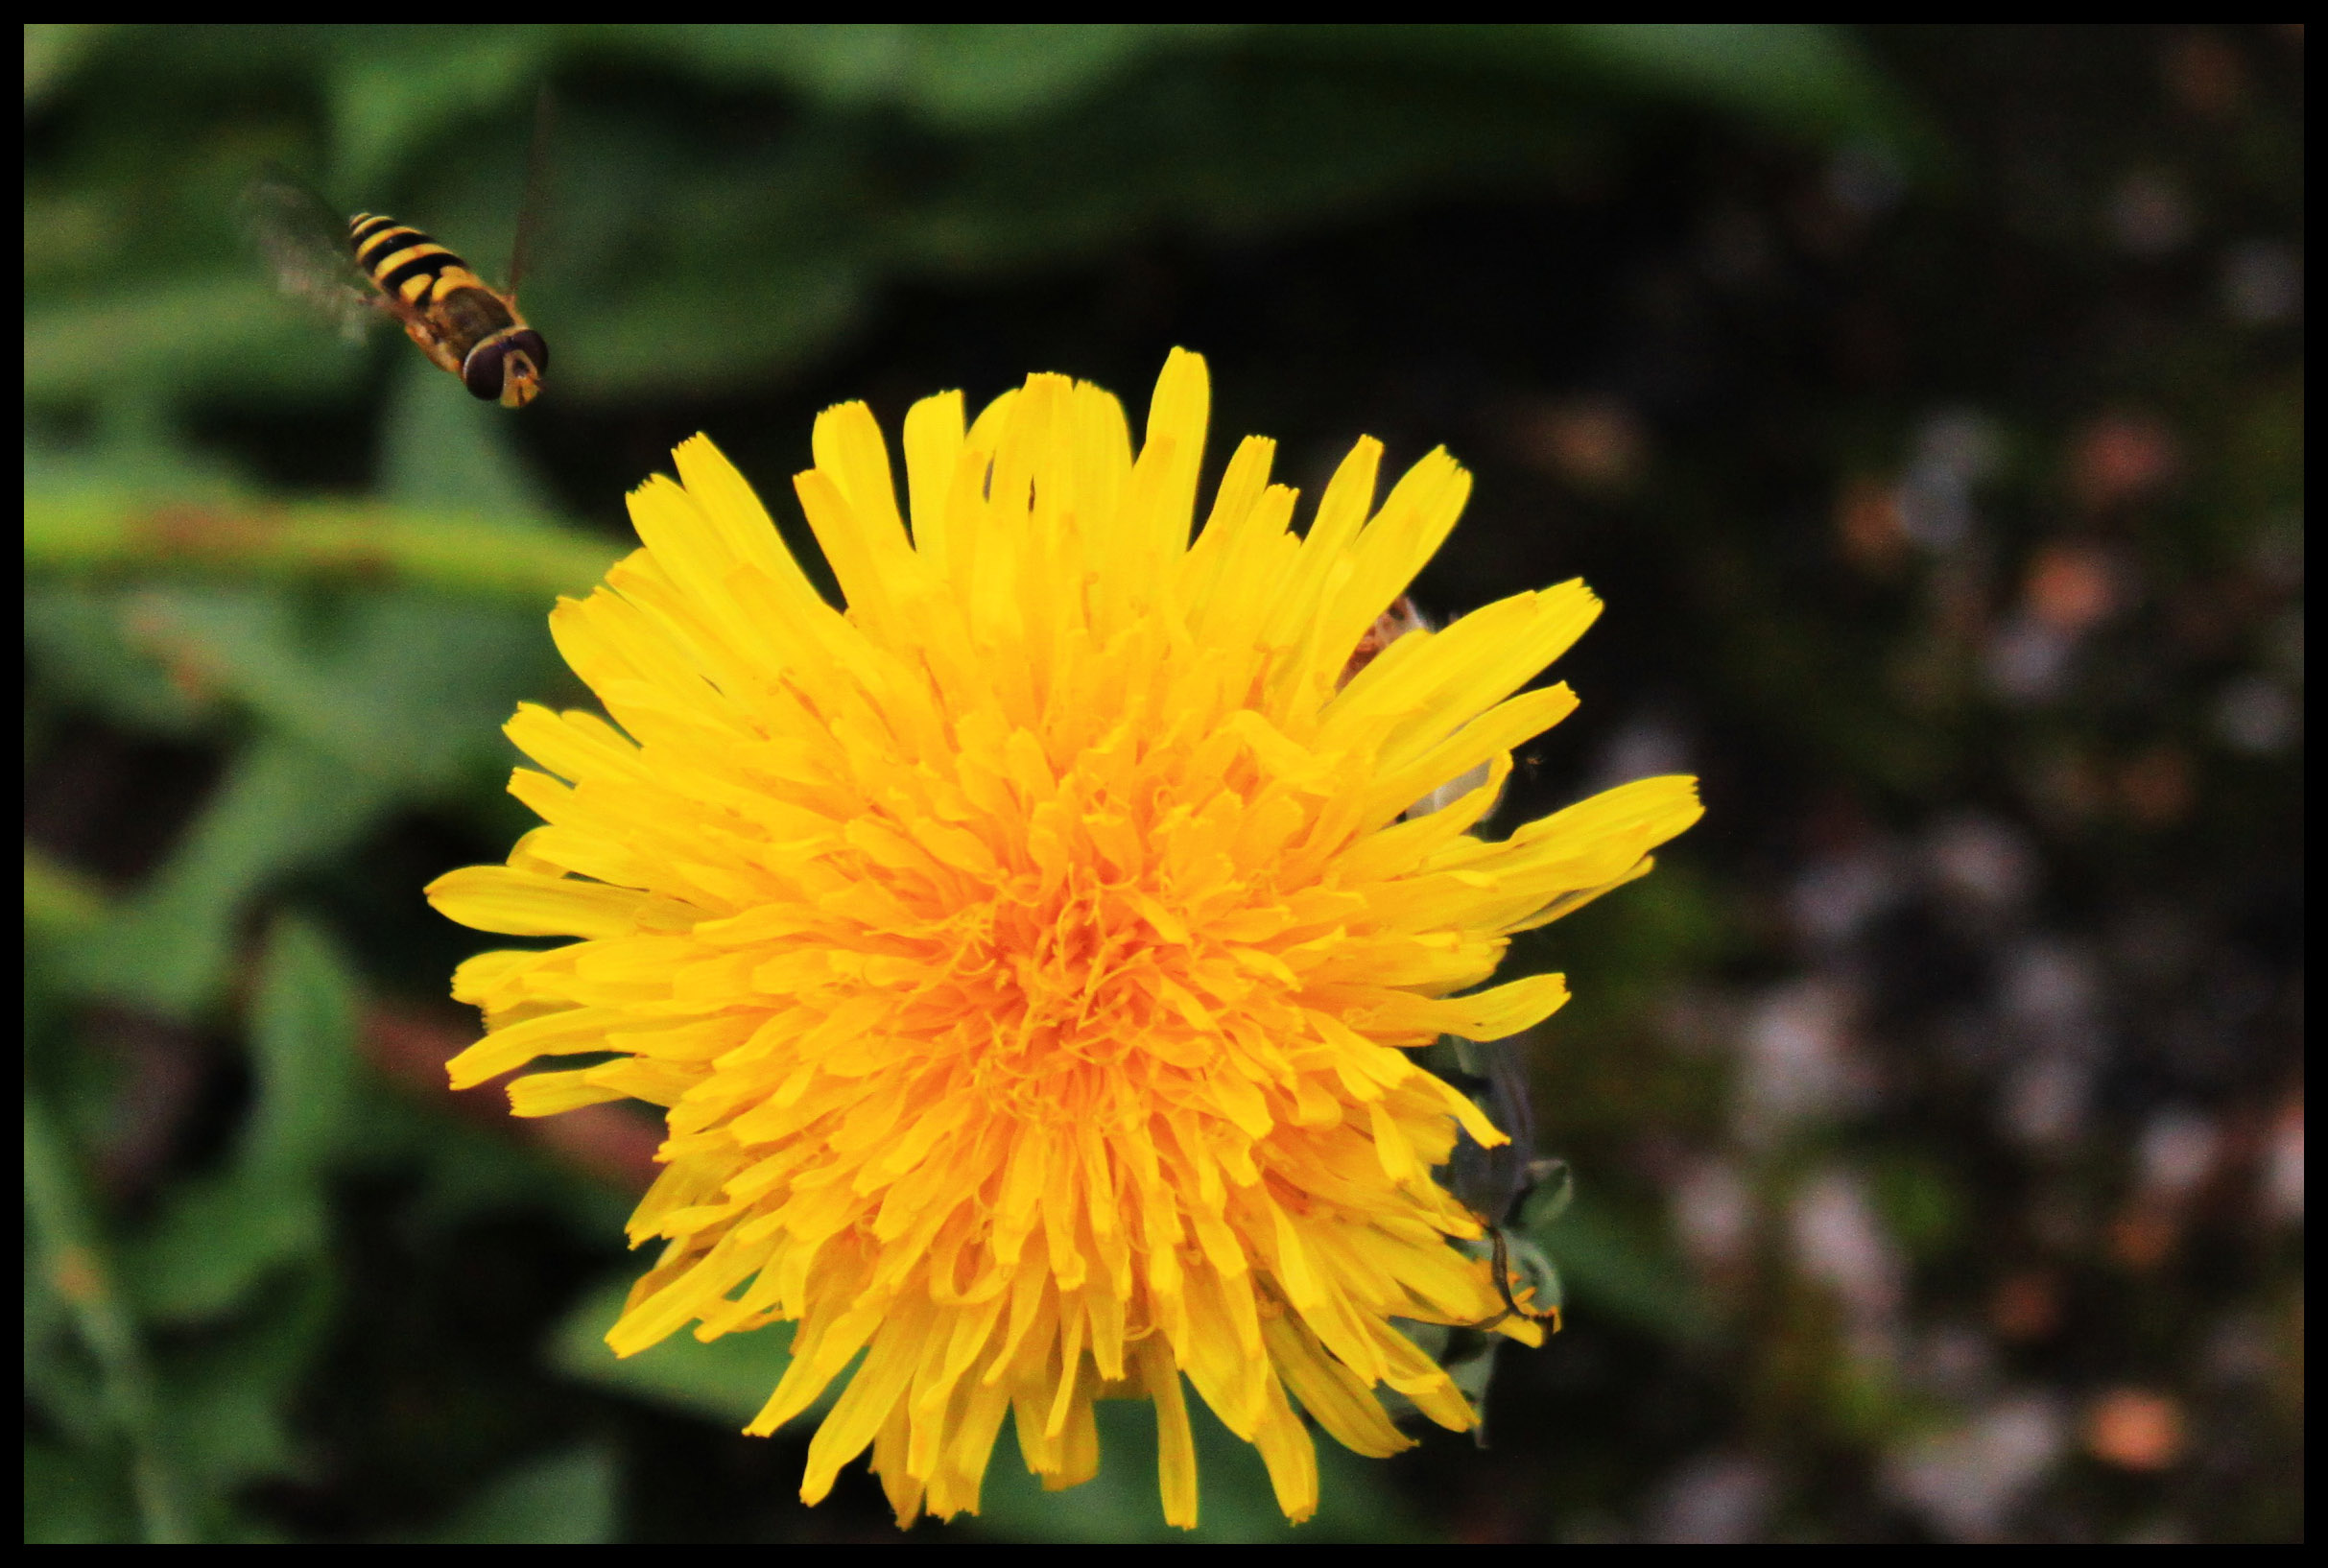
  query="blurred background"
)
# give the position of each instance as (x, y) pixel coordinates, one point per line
(1925, 403)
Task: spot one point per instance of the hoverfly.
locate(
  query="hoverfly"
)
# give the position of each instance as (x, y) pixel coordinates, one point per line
(369, 266)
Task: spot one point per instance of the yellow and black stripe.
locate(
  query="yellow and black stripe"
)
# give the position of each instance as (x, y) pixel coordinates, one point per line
(458, 320)
(406, 263)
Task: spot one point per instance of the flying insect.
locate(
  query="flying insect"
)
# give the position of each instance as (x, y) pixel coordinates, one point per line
(367, 265)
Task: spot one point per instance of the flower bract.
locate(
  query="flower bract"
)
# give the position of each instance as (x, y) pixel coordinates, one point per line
(1030, 955)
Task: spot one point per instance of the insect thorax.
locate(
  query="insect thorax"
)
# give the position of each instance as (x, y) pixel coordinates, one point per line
(469, 315)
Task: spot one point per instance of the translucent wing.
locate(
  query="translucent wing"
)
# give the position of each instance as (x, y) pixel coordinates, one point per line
(534, 208)
(304, 245)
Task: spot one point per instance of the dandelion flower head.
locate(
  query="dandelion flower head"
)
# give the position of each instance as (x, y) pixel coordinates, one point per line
(1029, 956)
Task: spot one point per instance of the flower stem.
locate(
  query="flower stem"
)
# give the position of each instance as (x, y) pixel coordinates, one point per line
(97, 534)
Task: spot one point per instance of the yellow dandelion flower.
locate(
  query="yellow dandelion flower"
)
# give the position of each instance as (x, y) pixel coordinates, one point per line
(1029, 956)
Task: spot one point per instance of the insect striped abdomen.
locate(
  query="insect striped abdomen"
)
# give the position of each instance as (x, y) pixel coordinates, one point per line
(460, 322)
(403, 261)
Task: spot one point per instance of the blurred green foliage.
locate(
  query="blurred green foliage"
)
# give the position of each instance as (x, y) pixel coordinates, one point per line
(701, 251)
(281, 594)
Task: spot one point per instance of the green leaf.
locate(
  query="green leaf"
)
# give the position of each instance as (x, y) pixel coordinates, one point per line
(946, 74)
(52, 50)
(695, 331)
(728, 1380)
(219, 1237)
(443, 450)
(217, 328)
(407, 91)
(1802, 78)
(60, 903)
(76, 1497)
(216, 1239)
(965, 74)
(404, 689)
(303, 1046)
(566, 1499)
(281, 807)
(226, 1398)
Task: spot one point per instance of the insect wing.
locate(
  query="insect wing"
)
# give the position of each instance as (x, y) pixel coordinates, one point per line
(304, 245)
(533, 210)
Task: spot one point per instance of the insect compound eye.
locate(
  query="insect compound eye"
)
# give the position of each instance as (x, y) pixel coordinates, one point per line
(528, 344)
(480, 372)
